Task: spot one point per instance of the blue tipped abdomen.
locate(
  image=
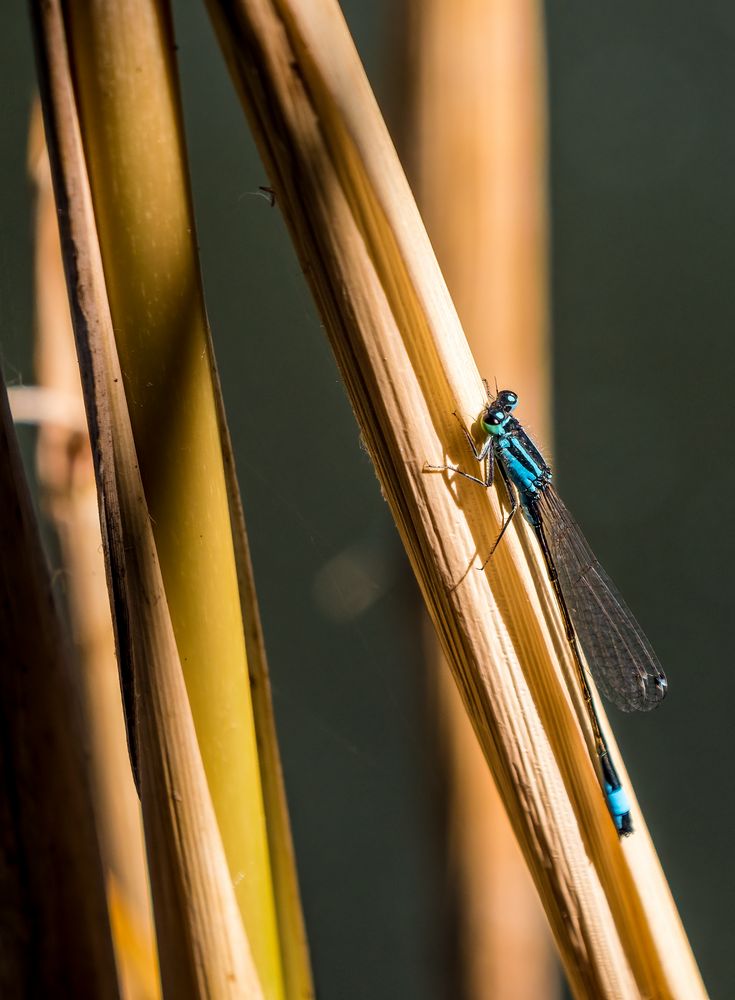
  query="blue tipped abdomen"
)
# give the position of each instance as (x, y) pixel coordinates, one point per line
(618, 800)
(619, 807)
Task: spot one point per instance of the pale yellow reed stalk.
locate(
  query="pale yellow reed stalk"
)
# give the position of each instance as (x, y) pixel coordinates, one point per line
(128, 105)
(202, 946)
(406, 365)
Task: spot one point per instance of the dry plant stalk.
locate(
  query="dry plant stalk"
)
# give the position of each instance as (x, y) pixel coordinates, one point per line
(128, 106)
(406, 365)
(56, 935)
(475, 142)
(69, 495)
(202, 946)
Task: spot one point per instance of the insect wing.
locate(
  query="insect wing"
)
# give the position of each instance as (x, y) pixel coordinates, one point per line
(621, 660)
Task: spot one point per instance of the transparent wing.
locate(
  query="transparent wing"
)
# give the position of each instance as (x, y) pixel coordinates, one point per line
(624, 666)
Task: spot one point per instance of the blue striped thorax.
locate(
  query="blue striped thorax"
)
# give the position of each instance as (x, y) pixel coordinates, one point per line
(519, 456)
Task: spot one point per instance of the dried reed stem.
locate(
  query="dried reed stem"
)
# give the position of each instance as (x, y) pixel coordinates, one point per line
(202, 947)
(128, 105)
(407, 366)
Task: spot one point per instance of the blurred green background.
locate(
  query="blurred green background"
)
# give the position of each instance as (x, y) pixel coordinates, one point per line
(642, 191)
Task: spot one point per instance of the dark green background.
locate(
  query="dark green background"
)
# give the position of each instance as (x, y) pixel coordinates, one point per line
(643, 209)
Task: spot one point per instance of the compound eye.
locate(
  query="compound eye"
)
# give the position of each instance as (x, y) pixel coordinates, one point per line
(493, 418)
(507, 400)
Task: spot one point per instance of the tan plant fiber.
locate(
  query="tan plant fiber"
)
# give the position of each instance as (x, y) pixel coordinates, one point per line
(407, 367)
(203, 950)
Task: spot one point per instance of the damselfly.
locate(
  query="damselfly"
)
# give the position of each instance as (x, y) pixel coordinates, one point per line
(594, 614)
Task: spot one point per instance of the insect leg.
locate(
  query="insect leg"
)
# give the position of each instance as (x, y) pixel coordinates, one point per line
(514, 504)
(486, 453)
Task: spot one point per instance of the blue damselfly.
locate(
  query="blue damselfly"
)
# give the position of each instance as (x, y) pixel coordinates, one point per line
(596, 620)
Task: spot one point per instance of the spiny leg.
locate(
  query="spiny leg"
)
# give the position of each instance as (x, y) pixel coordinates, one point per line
(487, 482)
(513, 497)
(485, 453)
(487, 448)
